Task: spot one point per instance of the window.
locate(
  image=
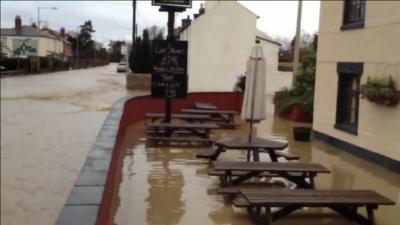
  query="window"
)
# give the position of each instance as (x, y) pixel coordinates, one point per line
(348, 96)
(353, 14)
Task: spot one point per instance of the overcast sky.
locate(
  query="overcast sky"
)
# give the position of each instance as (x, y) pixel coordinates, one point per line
(112, 20)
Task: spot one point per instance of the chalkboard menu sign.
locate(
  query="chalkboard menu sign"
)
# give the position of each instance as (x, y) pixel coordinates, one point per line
(174, 3)
(169, 76)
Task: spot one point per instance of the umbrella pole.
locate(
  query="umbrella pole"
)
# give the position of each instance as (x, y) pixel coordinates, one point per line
(250, 139)
(251, 131)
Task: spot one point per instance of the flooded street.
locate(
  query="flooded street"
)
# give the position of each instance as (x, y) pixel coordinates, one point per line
(171, 186)
(48, 125)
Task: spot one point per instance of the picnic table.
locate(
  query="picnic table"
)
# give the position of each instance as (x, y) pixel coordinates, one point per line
(224, 115)
(205, 106)
(197, 129)
(302, 174)
(186, 117)
(344, 202)
(241, 143)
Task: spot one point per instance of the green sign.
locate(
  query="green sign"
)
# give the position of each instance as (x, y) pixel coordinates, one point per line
(25, 47)
(173, 3)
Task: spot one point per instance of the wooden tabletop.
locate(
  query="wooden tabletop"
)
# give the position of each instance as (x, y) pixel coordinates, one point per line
(269, 166)
(179, 116)
(206, 106)
(202, 111)
(243, 143)
(282, 197)
(185, 125)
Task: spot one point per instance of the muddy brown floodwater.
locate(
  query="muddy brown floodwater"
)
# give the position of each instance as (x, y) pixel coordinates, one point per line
(171, 186)
(49, 123)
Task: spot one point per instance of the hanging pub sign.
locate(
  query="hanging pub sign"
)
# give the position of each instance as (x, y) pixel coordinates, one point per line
(173, 3)
(169, 75)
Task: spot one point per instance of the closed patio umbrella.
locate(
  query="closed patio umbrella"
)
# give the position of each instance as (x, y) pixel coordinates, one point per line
(253, 108)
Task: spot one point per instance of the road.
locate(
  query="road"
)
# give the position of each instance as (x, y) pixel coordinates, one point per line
(48, 125)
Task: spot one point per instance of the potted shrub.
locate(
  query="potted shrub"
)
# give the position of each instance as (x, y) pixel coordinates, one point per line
(381, 90)
(302, 133)
(297, 103)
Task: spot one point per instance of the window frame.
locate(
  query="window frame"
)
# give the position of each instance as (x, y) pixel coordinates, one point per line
(348, 69)
(346, 24)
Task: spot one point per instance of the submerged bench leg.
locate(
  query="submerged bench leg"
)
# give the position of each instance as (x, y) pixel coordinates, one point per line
(241, 179)
(351, 214)
(216, 154)
(284, 212)
(370, 213)
(254, 212)
(268, 215)
(298, 180)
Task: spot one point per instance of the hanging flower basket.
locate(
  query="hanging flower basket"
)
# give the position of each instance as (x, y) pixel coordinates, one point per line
(389, 98)
(381, 91)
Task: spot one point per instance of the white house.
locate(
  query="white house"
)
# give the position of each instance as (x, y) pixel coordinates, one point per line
(22, 41)
(220, 40)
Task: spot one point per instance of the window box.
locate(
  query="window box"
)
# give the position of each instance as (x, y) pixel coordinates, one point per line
(381, 91)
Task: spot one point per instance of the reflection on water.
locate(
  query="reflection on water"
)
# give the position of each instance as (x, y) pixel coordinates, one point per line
(171, 186)
(165, 186)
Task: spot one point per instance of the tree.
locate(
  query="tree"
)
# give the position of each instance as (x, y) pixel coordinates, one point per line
(85, 36)
(115, 50)
(102, 54)
(302, 92)
(83, 40)
(286, 50)
(156, 33)
(140, 60)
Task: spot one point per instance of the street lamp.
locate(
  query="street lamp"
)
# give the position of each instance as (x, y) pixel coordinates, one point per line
(38, 13)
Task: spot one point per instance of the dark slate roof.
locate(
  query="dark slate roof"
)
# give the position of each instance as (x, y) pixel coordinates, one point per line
(25, 31)
(56, 35)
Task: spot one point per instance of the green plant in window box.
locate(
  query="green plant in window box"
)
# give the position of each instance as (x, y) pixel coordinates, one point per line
(381, 90)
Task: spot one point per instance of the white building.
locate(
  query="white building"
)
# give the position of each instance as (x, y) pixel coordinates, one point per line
(220, 40)
(22, 41)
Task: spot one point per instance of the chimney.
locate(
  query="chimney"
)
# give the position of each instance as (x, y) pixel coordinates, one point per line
(202, 10)
(186, 22)
(62, 32)
(18, 23)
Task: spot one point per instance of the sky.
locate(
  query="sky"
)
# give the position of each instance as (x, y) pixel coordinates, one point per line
(112, 20)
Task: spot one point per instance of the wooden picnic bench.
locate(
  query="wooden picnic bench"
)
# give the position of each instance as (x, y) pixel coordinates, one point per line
(205, 106)
(197, 129)
(241, 143)
(224, 115)
(186, 117)
(345, 202)
(180, 141)
(302, 174)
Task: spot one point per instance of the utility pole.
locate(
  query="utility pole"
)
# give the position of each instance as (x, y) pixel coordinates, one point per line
(130, 49)
(133, 22)
(297, 42)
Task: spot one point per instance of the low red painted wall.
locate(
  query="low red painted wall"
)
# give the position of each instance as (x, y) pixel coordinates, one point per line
(135, 110)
